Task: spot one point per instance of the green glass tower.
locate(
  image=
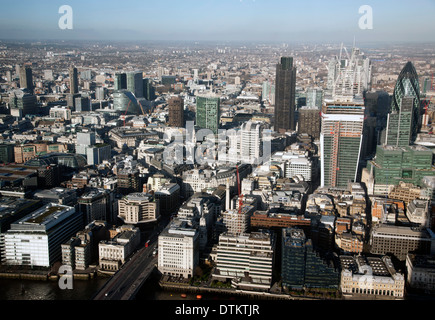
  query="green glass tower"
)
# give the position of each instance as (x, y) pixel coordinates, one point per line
(208, 113)
(395, 164)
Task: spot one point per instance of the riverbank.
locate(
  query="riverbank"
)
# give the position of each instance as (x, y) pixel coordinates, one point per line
(7, 272)
(184, 288)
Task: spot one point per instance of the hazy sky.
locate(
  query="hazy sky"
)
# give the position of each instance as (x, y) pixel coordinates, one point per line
(275, 20)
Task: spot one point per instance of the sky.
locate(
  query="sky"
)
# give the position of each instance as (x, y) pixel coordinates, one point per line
(219, 20)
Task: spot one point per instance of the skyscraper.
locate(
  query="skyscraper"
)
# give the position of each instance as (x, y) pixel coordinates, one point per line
(400, 124)
(135, 83)
(26, 78)
(309, 121)
(251, 144)
(74, 80)
(120, 81)
(340, 142)
(176, 111)
(149, 92)
(208, 112)
(407, 85)
(285, 87)
(349, 76)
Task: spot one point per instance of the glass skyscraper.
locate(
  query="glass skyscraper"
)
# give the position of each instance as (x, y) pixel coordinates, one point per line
(407, 85)
(302, 266)
(208, 112)
(341, 139)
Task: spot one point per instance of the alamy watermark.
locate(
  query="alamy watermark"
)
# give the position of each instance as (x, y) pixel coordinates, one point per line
(66, 20)
(65, 277)
(366, 20)
(227, 147)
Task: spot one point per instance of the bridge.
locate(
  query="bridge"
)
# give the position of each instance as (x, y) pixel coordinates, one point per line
(127, 281)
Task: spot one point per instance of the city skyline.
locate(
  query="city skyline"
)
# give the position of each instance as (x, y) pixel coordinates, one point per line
(228, 20)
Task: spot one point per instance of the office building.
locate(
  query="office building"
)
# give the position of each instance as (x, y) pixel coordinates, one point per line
(247, 259)
(168, 197)
(138, 208)
(176, 112)
(120, 81)
(7, 153)
(400, 123)
(178, 249)
(208, 112)
(393, 165)
(36, 239)
(340, 142)
(251, 142)
(113, 253)
(74, 80)
(62, 113)
(125, 102)
(285, 87)
(129, 181)
(371, 278)
(421, 272)
(309, 121)
(149, 92)
(22, 103)
(26, 78)
(302, 266)
(407, 85)
(135, 83)
(63, 196)
(98, 153)
(94, 205)
(26, 152)
(401, 240)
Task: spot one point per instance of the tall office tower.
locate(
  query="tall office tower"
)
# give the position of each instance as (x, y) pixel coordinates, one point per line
(407, 85)
(208, 112)
(26, 78)
(399, 124)
(285, 87)
(349, 76)
(309, 121)
(74, 80)
(135, 83)
(125, 102)
(314, 97)
(176, 112)
(251, 142)
(340, 142)
(120, 81)
(149, 92)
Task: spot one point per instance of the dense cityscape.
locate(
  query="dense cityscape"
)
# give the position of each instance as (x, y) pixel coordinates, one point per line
(194, 170)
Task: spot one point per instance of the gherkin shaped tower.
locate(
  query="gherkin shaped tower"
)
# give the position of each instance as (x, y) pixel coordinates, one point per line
(407, 85)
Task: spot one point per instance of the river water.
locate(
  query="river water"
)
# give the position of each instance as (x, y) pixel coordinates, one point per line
(13, 289)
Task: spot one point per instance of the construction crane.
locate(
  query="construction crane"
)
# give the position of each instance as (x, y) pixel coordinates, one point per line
(126, 110)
